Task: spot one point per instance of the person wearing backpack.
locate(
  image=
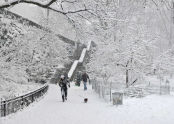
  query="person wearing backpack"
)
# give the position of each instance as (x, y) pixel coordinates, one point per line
(78, 78)
(85, 78)
(63, 83)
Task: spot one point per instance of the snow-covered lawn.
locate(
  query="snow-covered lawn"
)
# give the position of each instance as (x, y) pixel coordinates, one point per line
(152, 109)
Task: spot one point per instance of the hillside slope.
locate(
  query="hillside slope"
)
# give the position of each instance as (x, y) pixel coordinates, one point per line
(27, 55)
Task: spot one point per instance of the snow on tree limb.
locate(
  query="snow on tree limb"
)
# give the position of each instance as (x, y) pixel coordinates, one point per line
(44, 4)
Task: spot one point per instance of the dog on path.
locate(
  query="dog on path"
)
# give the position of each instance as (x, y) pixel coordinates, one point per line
(85, 100)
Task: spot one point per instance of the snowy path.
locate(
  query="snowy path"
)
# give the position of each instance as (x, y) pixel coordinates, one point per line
(51, 110)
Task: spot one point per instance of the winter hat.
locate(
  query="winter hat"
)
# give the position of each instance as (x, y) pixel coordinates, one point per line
(62, 76)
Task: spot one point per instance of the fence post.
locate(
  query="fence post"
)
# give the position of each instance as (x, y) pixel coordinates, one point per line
(100, 90)
(4, 102)
(22, 101)
(96, 84)
(32, 98)
(103, 91)
(110, 91)
(0, 107)
(93, 84)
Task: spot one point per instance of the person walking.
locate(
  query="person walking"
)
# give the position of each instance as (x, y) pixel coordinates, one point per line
(85, 78)
(63, 83)
(78, 78)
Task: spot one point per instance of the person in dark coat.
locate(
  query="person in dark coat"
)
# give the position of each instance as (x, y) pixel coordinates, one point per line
(78, 79)
(85, 78)
(63, 83)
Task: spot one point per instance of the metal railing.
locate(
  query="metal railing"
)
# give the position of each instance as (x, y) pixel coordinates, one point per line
(105, 90)
(13, 105)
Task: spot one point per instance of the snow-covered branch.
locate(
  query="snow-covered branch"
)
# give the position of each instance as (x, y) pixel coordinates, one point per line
(40, 3)
(48, 4)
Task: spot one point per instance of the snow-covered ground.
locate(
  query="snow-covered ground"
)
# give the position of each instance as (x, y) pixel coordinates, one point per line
(153, 109)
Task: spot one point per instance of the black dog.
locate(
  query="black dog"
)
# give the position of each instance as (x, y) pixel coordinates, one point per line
(85, 100)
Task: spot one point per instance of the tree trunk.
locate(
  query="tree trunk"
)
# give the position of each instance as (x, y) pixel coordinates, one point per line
(127, 75)
(127, 78)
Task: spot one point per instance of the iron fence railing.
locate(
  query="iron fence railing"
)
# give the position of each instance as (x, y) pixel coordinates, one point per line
(105, 90)
(13, 105)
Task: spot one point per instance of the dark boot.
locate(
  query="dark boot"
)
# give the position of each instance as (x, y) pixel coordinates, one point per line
(66, 93)
(63, 99)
